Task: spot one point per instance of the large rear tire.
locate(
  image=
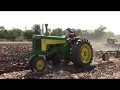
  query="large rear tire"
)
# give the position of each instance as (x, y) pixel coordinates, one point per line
(82, 53)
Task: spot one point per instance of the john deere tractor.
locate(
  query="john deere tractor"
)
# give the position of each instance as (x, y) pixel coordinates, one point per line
(59, 49)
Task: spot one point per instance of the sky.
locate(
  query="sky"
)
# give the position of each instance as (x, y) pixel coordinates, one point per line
(62, 19)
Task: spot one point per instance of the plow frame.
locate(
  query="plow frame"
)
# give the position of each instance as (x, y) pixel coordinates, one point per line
(105, 55)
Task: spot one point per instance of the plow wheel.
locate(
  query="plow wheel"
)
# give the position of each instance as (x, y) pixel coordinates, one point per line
(105, 57)
(38, 64)
(82, 53)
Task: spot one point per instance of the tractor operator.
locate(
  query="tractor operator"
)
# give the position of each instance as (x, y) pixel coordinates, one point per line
(71, 33)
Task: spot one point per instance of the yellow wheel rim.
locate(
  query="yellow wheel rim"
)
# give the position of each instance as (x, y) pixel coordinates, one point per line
(40, 64)
(85, 53)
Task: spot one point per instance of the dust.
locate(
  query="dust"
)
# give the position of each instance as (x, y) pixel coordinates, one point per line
(98, 45)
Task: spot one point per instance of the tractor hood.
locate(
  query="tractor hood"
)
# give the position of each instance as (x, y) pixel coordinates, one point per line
(49, 37)
(40, 42)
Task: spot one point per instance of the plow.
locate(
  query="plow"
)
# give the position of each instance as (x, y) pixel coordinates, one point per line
(106, 55)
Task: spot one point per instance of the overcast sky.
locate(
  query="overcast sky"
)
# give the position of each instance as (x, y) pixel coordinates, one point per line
(62, 19)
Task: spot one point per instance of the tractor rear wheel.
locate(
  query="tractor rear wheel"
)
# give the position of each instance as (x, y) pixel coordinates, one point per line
(82, 53)
(39, 64)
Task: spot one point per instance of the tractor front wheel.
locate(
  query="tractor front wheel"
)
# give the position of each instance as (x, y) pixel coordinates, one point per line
(82, 53)
(38, 64)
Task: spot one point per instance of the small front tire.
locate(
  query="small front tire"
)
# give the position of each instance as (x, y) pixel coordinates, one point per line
(39, 64)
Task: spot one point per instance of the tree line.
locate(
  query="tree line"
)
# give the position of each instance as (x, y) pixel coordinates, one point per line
(17, 34)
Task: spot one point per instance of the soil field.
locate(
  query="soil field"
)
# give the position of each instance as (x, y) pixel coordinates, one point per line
(13, 65)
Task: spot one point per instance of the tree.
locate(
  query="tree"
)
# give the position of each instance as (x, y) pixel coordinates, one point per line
(109, 34)
(3, 32)
(57, 32)
(99, 32)
(11, 34)
(17, 32)
(2, 28)
(28, 34)
(36, 29)
(78, 32)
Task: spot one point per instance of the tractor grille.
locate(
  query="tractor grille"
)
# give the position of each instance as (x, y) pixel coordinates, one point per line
(36, 44)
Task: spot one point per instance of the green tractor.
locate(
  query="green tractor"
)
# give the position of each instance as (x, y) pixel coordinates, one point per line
(59, 49)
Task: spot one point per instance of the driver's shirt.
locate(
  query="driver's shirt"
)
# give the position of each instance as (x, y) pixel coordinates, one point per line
(71, 35)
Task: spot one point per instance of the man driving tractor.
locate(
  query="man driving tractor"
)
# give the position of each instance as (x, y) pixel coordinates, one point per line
(71, 33)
